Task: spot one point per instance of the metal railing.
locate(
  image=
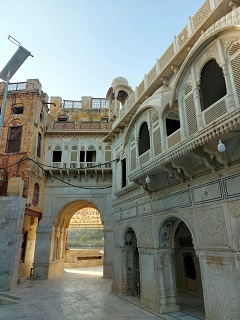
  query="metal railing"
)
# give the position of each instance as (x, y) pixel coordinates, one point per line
(72, 104)
(17, 86)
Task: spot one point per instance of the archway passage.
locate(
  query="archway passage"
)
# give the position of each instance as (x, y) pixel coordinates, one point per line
(51, 247)
(182, 284)
(131, 261)
(187, 272)
(85, 239)
(188, 277)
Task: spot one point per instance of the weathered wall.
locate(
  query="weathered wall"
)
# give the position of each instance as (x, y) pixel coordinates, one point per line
(11, 224)
(76, 258)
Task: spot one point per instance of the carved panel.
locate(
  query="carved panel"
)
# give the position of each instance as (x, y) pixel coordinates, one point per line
(178, 199)
(210, 53)
(148, 281)
(145, 235)
(201, 15)
(232, 186)
(207, 193)
(129, 213)
(234, 208)
(144, 209)
(219, 284)
(211, 227)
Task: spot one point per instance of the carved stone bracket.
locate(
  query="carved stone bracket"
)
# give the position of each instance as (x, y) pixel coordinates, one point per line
(179, 165)
(169, 168)
(204, 158)
(221, 157)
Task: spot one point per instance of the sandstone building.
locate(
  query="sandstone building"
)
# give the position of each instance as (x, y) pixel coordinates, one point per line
(172, 217)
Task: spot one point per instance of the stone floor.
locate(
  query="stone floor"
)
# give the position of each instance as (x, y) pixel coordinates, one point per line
(76, 294)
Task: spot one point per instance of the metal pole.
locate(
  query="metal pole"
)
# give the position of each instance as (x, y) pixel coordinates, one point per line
(4, 99)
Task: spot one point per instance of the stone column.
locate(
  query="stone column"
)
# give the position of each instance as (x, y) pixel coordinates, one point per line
(220, 281)
(198, 107)
(43, 251)
(232, 103)
(108, 251)
(170, 285)
(161, 284)
(124, 271)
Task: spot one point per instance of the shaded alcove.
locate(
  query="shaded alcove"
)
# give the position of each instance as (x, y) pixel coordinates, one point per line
(131, 264)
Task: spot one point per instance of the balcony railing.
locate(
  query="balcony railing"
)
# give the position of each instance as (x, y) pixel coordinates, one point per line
(81, 165)
(72, 104)
(100, 103)
(82, 125)
(96, 103)
(17, 86)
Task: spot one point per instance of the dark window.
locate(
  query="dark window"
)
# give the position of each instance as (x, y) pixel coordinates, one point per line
(172, 126)
(35, 194)
(57, 156)
(91, 156)
(24, 246)
(190, 271)
(17, 110)
(122, 96)
(124, 173)
(144, 139)
(212, 85)
(14, 139)
(62, 119)
(39, 144)
(82, 156)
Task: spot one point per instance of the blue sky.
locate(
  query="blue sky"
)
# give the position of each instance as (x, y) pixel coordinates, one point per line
(80, 46)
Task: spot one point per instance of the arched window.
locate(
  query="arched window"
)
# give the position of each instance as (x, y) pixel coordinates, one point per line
(213, 86)
(144, 139)
(35, 194)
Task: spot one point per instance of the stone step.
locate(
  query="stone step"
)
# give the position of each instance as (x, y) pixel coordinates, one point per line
(8, 298)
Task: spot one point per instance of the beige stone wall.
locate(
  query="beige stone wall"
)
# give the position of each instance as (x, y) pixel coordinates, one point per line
(83, 258)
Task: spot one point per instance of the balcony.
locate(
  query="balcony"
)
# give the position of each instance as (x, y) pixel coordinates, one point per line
(81, 125)
(95, 103)
(17, 86)
(81, 165)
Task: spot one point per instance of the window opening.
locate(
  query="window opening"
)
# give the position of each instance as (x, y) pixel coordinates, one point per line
(39, 144)
(91, 156)
(35, 194)
(172, 125)
(57, 156)
(14, 139)
(213, 86)
(62, 119)
(144, 139)
(17, 110)
(24, 246)
(124, 173)
(82, 156)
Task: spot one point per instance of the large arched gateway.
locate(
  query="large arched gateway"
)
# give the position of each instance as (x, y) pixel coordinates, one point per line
(52, 235)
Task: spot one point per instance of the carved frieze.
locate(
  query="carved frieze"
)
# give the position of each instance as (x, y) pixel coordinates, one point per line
(211, 227)
(234, 208)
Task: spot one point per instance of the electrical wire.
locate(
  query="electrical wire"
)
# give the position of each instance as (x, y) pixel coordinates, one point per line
(40, 165)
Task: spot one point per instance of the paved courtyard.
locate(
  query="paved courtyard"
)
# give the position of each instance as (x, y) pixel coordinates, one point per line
(76, 294)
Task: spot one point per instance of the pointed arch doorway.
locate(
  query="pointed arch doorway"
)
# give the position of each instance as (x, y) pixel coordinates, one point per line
(179, 272)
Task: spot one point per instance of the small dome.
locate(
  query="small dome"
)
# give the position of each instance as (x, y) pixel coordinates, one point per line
(119, 81)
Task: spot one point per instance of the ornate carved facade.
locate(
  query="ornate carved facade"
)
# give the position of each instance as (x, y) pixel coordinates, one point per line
(176, 184)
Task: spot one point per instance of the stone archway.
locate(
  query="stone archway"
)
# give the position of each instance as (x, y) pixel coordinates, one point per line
(131, 266)
(51, 241)
(179, 274)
